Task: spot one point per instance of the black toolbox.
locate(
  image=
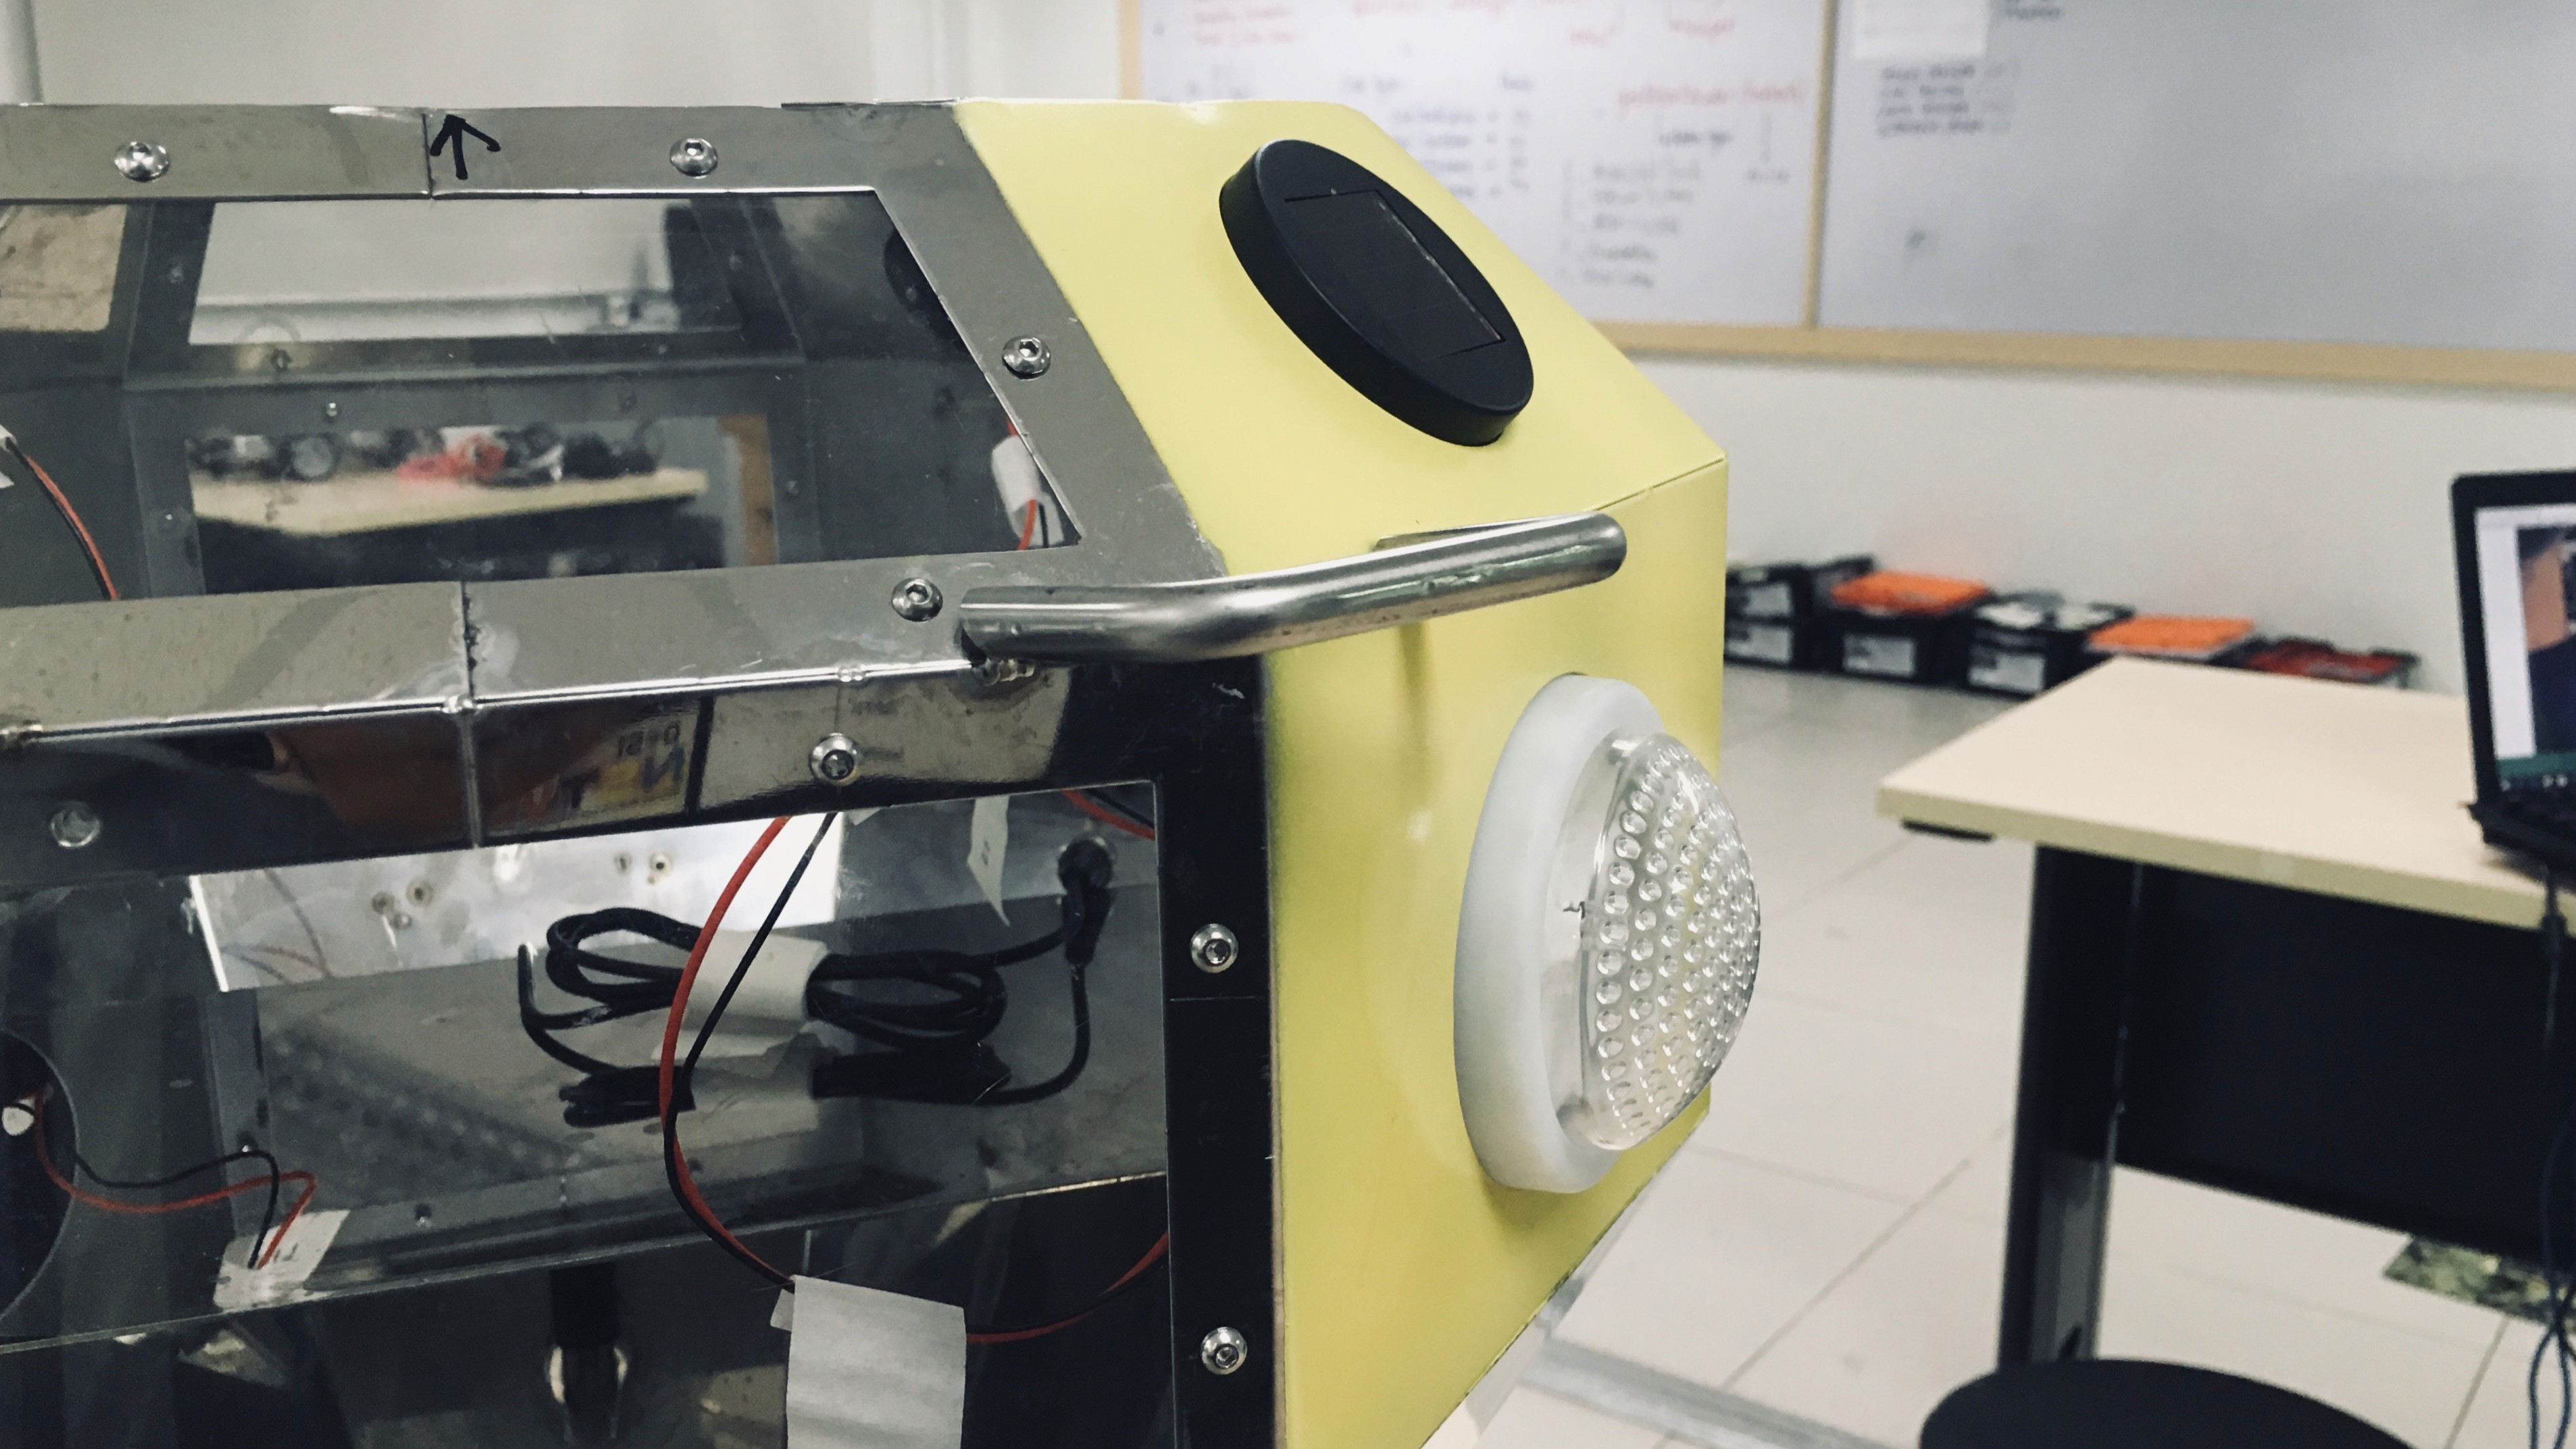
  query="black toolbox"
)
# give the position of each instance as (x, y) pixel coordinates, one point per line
(2023, 643)
(1773, 611)
(1908, 627)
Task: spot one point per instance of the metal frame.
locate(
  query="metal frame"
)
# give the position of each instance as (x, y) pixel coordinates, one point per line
(781, 654)
(2341, 1056)
(822, 640)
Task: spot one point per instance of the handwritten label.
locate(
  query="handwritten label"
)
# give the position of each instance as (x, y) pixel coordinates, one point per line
(239, 1287)
(1953, 98)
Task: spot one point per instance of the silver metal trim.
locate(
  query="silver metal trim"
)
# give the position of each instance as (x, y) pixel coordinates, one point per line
(1176, 623)
(1692, 1413)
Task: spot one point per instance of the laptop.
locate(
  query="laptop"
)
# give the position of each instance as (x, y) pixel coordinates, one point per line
(2515, 536)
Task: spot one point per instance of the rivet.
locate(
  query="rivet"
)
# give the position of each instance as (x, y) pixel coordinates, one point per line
(834, 759)
(75, 826)
(142, 161)
(695, 156)
(1026, 356)
(1214, 948)
(1223, 1351)
(916, 599)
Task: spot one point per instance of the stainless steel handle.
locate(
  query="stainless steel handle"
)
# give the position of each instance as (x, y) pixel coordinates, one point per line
(1409, 580)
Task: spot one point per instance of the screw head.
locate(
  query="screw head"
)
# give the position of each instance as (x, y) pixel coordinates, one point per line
(75, 826)
(917, 599)
(1026, 356)
(1223, 1351)
(142, 161)
(695, 156)
(834, 759)
(1214, 948)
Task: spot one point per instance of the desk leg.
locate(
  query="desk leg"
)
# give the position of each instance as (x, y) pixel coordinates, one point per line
(2082, 920)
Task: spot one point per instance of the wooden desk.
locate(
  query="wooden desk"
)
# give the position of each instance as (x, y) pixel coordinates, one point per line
(2268, 953)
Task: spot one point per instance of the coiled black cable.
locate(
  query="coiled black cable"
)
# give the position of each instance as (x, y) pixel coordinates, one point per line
(608, 1094)
(926, 1012)
(930, 1013)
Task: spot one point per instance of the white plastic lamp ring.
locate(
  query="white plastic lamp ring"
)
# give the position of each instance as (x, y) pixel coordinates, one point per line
(1607, 941)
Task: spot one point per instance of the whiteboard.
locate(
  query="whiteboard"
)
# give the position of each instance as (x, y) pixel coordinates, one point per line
(1655, 160)
(2326, 171)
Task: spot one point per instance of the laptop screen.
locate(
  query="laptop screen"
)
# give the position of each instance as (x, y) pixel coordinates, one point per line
(2526, 560)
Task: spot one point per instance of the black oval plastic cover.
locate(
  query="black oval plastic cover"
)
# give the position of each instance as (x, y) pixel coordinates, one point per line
(1377, 290)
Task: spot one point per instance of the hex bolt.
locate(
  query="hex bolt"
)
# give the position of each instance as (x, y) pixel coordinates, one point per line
(917, 599)
(1026, 356)
(1223, 1351)
(142, 161)
(834, 759)
(76, 826)
(1214, 948)
(695, 156)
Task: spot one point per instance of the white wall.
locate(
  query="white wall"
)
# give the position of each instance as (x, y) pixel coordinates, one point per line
(466, 53)
(2314, 509)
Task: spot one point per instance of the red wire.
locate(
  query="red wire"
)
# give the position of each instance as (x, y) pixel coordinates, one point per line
(671, 1047)
(669, 1072)
(71, 516)
(1029, 529)
(1153, 1255)
(1110, 818)
(45, 1159)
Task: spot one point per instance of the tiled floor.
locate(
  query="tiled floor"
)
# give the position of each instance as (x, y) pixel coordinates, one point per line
(1830, 1244)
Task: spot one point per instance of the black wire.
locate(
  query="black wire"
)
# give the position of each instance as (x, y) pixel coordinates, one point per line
(608, 1094)
(706, 1030)
(934, 1035)
(247, 1152)
(321, 958)
(936, 1049)
(1072, 1067)
(2562, 1285)
(759, 938)
(538, 1024)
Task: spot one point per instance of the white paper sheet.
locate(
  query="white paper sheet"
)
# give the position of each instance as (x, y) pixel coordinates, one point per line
(872, 1370)
(988, 841)
(1919, 29)
(309, 1237)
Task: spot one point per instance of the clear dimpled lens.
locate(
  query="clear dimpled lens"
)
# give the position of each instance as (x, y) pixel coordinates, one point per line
(1671, 936)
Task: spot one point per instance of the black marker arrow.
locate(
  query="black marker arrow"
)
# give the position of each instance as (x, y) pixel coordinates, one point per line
(451, 138)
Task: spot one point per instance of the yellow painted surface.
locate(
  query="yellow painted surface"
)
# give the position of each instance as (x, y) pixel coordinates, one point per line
(1405, 1270)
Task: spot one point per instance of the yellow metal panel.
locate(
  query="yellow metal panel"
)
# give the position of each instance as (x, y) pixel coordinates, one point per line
(1405, 1270)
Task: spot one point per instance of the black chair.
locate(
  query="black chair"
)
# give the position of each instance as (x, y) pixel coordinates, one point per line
(2129, 1404)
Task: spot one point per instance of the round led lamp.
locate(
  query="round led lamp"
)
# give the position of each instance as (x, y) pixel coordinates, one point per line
(1607, 941)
